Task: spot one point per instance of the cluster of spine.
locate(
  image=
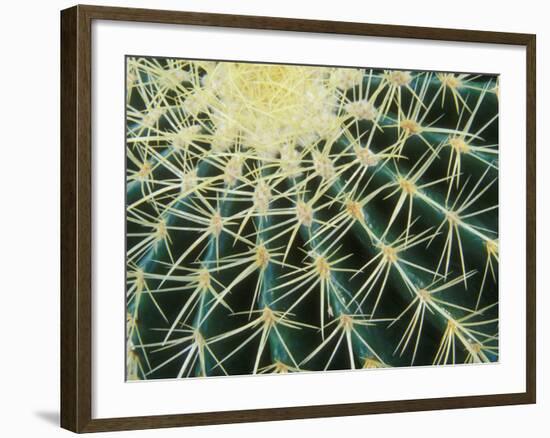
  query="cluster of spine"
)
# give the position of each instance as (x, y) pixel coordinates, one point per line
(298, 218)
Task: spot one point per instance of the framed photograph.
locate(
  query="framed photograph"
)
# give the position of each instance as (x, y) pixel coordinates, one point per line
(270, 218)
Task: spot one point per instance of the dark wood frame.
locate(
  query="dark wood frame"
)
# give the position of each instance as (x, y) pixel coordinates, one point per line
(76, 237)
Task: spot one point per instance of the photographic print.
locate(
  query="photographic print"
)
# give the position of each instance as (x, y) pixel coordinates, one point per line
(296, 218)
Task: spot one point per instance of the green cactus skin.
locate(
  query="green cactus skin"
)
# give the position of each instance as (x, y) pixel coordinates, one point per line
(300, 218)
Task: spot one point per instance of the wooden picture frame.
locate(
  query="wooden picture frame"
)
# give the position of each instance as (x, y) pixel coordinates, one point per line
(76, 217)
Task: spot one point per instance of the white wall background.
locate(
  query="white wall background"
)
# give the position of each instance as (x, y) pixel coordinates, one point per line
(29, 199)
